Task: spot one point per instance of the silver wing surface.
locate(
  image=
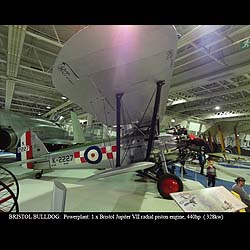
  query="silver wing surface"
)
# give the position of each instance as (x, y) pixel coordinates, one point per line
(101, 61)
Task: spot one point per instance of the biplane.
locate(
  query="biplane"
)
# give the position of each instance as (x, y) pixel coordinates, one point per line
(121, 74)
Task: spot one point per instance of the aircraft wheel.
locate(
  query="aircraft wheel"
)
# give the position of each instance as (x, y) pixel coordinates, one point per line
(38, 175)
(8, 178)
(8, 200)
(169, 183)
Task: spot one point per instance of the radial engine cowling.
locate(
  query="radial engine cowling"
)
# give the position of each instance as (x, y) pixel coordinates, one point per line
(8, 138)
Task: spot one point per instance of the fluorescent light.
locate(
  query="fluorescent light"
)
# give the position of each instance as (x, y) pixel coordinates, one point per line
(173, 120)
(64, 98)
(178, 101)
(217, 108)
(48, 107)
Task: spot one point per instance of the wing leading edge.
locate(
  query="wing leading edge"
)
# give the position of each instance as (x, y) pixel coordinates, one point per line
(121, 170)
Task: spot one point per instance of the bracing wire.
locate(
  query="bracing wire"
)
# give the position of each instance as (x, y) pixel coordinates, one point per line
(147, 107)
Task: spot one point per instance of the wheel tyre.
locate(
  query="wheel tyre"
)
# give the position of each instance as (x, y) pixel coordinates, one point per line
(169, 183)
(15, 180)
(13, 197)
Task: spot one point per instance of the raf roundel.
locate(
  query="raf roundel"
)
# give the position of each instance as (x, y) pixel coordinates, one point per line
(93, 155)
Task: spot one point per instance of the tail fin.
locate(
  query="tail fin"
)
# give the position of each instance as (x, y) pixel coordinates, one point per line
(77, 130)
(31, 147)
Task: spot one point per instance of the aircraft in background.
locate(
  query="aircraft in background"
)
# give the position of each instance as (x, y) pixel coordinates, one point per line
(13, 126)
(228, 157)
(120, 74)
(229, 128)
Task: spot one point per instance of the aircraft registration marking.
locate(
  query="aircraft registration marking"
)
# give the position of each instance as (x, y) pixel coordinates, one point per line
(61, 160)
(23, 149)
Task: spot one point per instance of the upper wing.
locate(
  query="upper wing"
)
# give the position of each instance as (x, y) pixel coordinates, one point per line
(103, 60)
(21, 163)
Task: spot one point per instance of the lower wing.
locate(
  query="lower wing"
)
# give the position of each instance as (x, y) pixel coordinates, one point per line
(121, 170)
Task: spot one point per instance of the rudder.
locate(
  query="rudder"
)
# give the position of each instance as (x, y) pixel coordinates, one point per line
(31, 147)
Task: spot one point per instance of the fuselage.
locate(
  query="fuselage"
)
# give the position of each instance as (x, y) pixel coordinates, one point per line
(98, 156)
(13, 126)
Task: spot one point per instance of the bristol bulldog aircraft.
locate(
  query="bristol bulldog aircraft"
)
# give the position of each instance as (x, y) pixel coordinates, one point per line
(121, 74)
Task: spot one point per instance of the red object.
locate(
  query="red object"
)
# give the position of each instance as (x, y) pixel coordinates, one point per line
(192, 137)
(113, 148)
(76, 154)
(169, 185)
(110, 155)
(103, 149)
(29, 152)
(82, 160)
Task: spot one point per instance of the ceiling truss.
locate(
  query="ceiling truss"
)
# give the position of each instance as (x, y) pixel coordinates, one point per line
(210, 70)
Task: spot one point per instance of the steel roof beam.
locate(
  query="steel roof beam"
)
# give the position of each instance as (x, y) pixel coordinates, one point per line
(197, 33)
(16, 35)
(58, 108)
(205, 79)
(208, 46)
(44, 39)
(27, 83)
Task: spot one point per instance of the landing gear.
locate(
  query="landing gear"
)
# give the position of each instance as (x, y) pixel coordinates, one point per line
(166, 182)
(169, 183)
(39, 175)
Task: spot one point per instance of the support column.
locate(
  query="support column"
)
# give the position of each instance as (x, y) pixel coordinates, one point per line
(153, 121)
(237, 142)
(118, 129)
(221, 140)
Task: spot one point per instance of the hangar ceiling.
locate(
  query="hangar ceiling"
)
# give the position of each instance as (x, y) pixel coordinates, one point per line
(212, 68)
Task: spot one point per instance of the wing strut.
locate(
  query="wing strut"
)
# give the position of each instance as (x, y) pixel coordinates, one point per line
(118, 129)
(153, 121)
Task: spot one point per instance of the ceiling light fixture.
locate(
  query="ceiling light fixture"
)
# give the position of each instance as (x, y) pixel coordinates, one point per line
(178, 101)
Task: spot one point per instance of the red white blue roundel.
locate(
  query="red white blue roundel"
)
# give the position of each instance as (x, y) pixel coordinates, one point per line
(93, 155)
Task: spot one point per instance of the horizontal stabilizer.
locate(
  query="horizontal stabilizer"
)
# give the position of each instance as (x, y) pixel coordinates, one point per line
(121, 170)
(20, 163)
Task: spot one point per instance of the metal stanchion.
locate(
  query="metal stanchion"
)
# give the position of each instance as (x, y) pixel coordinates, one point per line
(195, 174)
(182, 172)
(59, 197)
